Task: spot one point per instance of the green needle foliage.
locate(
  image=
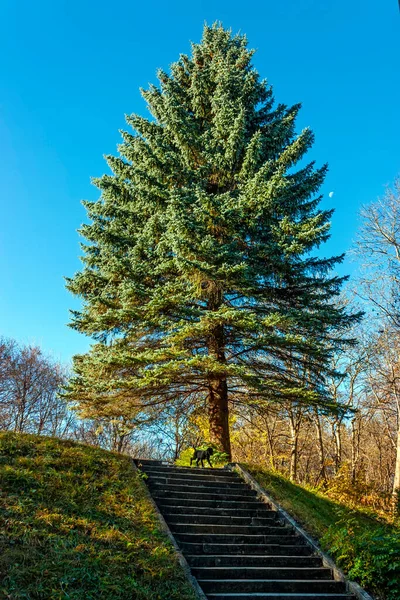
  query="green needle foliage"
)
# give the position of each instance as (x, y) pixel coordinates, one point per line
(199, 280)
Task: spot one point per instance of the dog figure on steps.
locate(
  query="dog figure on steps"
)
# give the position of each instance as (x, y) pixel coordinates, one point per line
(201, 455)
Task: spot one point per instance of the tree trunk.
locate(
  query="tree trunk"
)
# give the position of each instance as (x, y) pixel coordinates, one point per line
(396, 483)
(270, 443)
(321, 449)
(218, 408)
(120, 443)
(293, 457)
(355, 447)
(218, 413)
(295, 414)
(294, 434)
(337, 434)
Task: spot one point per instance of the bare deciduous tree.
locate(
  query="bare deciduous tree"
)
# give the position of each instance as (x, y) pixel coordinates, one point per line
(29, 385)
(379, 246)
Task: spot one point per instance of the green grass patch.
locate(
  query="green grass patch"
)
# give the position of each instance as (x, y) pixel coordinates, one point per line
(77, 524)
(365, 546)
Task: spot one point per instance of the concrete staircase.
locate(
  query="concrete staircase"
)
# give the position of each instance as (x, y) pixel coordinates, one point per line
(236, 545)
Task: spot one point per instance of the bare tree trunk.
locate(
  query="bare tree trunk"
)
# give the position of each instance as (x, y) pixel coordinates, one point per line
(120, 442)
(396, 483)
(337, 436)
(293, 456)
(321, 449)
(355, 447)
(270, 443)
(295, 418)
(177, 441)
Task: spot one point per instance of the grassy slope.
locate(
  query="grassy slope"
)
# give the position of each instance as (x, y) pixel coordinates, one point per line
(367, 548)
(76, 523)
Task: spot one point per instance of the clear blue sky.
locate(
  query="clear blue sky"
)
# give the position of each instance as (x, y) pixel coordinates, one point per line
(70, 70)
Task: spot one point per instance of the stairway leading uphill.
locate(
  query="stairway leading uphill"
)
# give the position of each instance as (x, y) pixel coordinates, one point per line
(236, 545)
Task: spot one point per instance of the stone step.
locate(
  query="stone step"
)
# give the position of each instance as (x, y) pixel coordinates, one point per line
(166, 500)
(252, 560)
(273, 596)
(147, 462)
(181, 494)
(292, 573)
(272, 549)
(199, 470)
(223, 538)
(252, 530)
(258, 512)
(208, 471)
(235, 544)
(200, 483)
(193, 481)
(190, 488)
(212, 586)
(218, 519)
(168, 472)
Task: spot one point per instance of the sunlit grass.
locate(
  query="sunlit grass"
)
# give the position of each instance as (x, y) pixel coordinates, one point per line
(77, 524)
(366, 546)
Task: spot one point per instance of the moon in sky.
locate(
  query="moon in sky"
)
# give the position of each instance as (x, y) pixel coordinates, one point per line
(331, 194)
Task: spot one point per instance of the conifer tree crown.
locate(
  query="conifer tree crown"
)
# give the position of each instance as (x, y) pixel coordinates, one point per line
(199, 277)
